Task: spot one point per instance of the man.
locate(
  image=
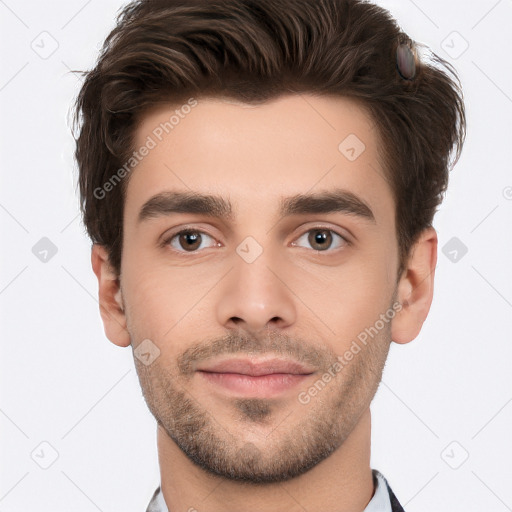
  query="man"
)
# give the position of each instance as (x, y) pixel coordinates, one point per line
(259, 179)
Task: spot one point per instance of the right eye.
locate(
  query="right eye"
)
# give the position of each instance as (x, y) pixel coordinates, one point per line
(188, 240)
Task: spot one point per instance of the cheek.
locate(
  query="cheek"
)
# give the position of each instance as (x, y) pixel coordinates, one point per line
(155, 312)
(343, 301)
(162, 299)
(156, 303)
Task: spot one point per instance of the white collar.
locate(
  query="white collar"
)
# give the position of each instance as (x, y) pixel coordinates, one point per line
(380, 501)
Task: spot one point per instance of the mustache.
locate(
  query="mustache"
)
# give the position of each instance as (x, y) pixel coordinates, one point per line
(272, 342)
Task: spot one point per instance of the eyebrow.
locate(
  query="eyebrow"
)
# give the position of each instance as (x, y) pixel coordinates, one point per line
(337, 200)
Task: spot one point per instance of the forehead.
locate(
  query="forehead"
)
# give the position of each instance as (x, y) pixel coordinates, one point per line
(258, 154)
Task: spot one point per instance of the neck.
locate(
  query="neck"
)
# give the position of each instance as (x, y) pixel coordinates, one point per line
(342, 482)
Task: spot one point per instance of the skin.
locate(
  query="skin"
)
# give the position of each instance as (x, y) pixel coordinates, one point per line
(220, 452)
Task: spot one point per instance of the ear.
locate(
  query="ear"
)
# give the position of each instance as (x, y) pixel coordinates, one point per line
(416, 288)
(110, 297)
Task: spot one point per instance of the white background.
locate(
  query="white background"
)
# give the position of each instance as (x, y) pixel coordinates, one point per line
(445, 396)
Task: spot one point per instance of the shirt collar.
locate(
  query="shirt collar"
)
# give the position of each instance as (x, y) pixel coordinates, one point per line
(380, 501)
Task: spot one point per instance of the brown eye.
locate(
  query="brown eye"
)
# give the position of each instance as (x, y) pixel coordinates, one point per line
(322, 239)
(189, 241)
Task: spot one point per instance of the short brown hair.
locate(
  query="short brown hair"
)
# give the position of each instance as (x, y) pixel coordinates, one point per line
(255, 50)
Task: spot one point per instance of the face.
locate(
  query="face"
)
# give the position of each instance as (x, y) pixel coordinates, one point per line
(259, 252)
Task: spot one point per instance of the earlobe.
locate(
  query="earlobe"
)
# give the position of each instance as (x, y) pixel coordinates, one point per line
(416, 288)
(110, 297)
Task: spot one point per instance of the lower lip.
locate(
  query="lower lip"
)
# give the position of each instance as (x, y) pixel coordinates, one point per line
(262, 386)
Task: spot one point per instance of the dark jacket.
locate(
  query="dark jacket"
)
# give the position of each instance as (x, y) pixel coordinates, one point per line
(395, 505)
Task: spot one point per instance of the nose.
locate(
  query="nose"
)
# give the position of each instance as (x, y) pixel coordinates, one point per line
(255, 296)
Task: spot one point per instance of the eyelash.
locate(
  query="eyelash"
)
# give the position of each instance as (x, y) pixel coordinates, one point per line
(167, 241)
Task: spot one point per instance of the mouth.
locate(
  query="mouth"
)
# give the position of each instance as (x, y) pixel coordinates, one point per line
(256, 378)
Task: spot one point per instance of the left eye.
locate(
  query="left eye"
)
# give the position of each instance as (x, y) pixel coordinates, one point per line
(321, 239)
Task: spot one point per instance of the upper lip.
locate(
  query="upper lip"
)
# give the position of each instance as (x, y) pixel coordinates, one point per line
(256, 368)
